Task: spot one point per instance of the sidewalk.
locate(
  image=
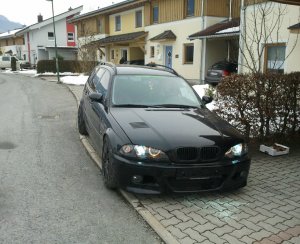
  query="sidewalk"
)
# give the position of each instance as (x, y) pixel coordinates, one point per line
(266, 211)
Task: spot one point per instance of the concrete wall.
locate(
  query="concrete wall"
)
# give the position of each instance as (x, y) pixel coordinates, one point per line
(280, 34)
(216, 51)
(293, 61)
(136, 54)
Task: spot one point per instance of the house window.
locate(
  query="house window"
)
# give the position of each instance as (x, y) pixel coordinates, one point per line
(71, 37)
(112, 54)
(138, 19)
(118, 23)
(155, 14)
(152, 52)
(190, 7)
(274, 58)
(100, 25)
(6, 42)
(50, 36)
(188, 53)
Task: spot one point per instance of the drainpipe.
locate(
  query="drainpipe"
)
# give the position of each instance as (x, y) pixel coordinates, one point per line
(230, 10)
(203, 47)
(28, 47)
(241, 41)
(228, 51)
(230, 18)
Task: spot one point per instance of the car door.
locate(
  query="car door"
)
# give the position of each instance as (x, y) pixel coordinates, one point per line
(99, 110)
(87, 103)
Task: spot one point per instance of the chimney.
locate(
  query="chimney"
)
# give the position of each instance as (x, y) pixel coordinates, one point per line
(40, 18)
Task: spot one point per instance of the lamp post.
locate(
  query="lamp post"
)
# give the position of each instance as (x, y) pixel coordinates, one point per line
(56, 56)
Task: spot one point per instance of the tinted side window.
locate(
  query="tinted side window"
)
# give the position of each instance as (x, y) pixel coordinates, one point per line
(102, 82)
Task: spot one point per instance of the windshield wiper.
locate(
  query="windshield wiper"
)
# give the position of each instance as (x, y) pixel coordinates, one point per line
(174, 106)
(129, 105)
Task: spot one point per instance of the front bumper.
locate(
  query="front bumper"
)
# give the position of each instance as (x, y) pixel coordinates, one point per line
(156, 178)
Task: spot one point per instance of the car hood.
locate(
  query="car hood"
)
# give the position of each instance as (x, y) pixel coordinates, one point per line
(172, 128)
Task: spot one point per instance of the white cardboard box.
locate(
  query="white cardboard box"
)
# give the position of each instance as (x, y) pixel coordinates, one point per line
(273, 152)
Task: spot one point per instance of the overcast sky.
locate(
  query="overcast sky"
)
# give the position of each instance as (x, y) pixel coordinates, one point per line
(26, 11)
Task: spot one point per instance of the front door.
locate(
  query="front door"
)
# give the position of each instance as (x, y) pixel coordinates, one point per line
(168, 56)
(124, 54)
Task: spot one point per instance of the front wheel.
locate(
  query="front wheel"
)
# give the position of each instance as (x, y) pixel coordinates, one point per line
(108, 167)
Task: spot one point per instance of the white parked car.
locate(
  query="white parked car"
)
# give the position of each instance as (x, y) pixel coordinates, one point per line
(5, 62)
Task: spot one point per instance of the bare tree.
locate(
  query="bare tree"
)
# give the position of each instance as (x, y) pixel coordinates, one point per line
(261, 24)
(87, 51)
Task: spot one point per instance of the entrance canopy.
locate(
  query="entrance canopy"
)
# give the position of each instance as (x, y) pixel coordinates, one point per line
(121, 39)
(165, 36)
(226, 28)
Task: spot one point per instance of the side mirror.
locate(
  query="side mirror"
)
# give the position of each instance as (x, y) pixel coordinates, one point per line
(96, 97)
(207, 99)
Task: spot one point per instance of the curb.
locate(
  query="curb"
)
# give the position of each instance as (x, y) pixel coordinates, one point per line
(162, 232)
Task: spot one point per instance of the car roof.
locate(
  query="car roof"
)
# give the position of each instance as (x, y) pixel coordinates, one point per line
(140, 70)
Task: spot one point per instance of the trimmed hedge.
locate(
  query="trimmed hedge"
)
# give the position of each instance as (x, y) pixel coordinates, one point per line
(73, 66)
(263, 106)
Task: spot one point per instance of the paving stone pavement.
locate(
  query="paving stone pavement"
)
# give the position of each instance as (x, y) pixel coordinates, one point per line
(266, 211)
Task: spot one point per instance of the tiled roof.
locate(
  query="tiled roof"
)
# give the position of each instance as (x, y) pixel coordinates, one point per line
(216, 29)
(166, 35)
(294, 27)
(121, 38)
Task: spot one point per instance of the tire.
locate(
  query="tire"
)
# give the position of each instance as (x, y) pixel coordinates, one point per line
(108, 168)
(81, 123)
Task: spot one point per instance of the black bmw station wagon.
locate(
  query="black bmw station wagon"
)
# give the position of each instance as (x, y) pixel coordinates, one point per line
(154, 133)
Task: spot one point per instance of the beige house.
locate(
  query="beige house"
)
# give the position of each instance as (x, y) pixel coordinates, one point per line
(11, 44)
(113, 32)
(189, 35)
(156, 31)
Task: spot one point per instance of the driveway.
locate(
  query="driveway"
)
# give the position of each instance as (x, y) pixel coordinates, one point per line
(267, 210)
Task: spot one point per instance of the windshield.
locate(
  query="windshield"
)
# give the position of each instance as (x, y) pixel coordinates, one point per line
(145, 90)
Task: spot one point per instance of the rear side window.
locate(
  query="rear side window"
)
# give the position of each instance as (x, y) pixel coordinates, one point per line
(5, 59)
(220, 66)
(101, 81)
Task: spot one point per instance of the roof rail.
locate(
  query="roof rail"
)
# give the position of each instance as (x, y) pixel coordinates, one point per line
(162, 66)
(112, 65)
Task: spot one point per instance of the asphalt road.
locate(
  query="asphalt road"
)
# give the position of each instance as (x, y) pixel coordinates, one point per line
(50, 190)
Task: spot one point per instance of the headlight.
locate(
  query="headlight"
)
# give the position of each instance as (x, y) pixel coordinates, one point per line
(143, 152)
(237, 150)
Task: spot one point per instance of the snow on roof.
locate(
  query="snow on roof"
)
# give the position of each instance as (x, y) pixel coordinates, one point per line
(9, 33)
(229, 30)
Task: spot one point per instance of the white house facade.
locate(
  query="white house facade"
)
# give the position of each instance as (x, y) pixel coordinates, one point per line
(167, 44)
(39, 38)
